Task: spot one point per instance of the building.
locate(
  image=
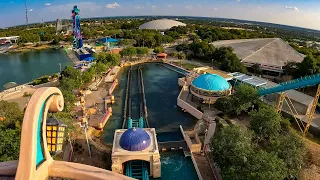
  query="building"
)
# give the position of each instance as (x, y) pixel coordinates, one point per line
(161, 24)
(272, 54)
(209, 87)
(136, 145)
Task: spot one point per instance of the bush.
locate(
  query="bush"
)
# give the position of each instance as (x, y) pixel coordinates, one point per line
(158, 49)
(26, 94)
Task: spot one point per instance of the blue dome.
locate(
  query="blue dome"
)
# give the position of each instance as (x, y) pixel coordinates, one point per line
(211, 82)
(135, 139)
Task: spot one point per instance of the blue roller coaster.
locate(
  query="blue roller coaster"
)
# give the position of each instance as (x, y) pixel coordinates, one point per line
(294, 84)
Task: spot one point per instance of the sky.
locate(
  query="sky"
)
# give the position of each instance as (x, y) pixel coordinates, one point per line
(302, 13)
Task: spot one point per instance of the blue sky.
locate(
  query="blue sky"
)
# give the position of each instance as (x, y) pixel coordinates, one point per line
(303, 13)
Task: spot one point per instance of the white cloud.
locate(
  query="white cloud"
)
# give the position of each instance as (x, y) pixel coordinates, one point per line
(153, 6)
(170, 5)
(31, 10)
(112, 6)
(291, 8)
(215, 9)
(188, 7)
(47, 4)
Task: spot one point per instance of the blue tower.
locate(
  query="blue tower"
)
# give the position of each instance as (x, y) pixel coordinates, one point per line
(77, 38)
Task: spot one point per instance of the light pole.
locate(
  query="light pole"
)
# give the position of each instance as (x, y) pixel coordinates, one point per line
(60, 67)
(212, 63)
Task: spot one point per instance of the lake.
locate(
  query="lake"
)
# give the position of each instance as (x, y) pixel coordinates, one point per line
(24, 67)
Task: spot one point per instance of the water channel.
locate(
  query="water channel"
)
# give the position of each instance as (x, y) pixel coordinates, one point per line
(161, 88)
(24, 67)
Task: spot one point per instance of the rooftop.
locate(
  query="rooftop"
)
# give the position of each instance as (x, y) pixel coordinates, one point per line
(267, 51)
(211, 82)
(161, 24)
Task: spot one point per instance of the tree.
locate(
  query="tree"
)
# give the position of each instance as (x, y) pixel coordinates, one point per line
(225, 104)
(128, 52)
(142, 51)
(113, 59)
(256, 69)
(12, 113)
(71, 72)
(87, 77)
(158, 49)
(9, 144)
(100, 68)
(181, 55)
(244, 97)
(291, 149)
(127, 42)
(231, 146)
(265, 123)
(10, 130)
(309, 66)
(265, 166)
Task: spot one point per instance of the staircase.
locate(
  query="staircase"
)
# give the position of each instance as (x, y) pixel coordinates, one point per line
(135, 123)
(137, 170)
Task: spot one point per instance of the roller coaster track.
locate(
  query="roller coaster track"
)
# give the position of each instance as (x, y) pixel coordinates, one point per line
(294, 84)
(143, 102)
(128, 99)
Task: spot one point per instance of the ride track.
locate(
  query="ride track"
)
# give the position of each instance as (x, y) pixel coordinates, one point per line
(127, 112)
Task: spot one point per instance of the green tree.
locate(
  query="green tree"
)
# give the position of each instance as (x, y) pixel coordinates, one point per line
(265, 166)
(181, 55)
(127, 42)
(142, 51)
(10, 130)
(71, 72)
(113, 59)
(100, 68)
(265, 123)
(158, 49)
(309, 66)
(128, 52)
(225, 105)
(291, 149)
(231, 146)
(12, 113)
(244, 97)
(9, 144)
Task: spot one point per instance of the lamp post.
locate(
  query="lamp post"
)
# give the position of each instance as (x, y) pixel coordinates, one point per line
(55, 134)
(212, 63)
(60, 67)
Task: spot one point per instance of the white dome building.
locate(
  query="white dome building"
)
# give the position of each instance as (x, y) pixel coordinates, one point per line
(161, 24)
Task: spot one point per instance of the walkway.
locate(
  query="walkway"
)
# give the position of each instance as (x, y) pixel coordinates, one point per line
(204, 167)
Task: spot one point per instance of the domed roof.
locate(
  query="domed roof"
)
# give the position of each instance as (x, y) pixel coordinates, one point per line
(135, 139)
(161, 24)
(211, 82)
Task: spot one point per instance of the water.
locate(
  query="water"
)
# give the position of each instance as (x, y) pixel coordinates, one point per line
(174, 165)
(162, 90)
(24, 67)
